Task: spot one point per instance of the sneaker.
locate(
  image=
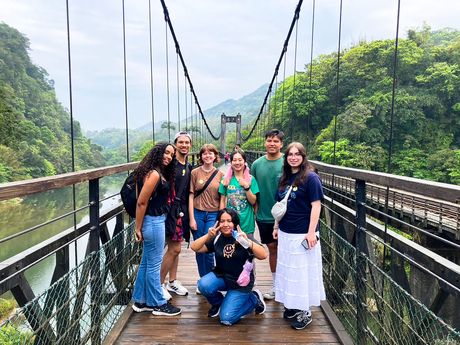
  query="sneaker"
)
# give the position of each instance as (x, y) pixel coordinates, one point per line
(177, 287)
(166, 309)
(197, 291)
(302, 320)
(214, 311)
(140, 307)
(291, 313)
(166, 295)
(261, 306)
(269, 295)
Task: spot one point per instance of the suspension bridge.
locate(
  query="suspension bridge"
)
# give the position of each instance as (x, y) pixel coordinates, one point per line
(390, 243)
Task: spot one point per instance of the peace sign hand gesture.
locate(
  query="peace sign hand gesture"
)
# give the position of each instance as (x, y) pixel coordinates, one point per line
(213, 230)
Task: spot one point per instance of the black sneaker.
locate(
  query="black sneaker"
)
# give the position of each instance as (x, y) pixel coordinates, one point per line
(214, 311)
(140, 307)
(261, 306)
(302, 320)
(291, 313)
(166, 309)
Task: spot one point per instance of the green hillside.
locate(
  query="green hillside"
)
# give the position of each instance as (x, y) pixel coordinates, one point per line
(34, 126)
(113, 140)
(426, 122)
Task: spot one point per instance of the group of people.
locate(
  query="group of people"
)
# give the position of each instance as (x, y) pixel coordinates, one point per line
(220, 211)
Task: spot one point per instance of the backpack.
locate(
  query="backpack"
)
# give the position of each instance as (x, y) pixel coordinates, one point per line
(128, 195)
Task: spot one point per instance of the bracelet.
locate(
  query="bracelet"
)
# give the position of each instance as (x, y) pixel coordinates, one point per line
(246, 189)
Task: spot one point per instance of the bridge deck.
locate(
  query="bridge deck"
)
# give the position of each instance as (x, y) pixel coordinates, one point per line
(194, 327)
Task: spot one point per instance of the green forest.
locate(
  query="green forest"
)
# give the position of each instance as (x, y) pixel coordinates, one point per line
(35, 128)
(356, 116)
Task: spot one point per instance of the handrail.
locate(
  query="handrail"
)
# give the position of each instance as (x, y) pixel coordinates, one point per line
(437, 190)
(10, 190)
(27, 187)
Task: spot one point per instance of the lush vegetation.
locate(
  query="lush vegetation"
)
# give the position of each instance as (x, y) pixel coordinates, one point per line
(12, 335)
(34, 127)
(6, 307)
(426, 120)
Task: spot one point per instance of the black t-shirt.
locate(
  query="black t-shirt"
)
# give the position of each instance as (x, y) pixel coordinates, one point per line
(230, 258)
(183, 171)
(297, 217)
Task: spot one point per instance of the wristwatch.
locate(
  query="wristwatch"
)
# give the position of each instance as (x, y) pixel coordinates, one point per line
(246, 189)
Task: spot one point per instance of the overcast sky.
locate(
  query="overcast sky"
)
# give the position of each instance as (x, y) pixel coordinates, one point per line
(230, 47)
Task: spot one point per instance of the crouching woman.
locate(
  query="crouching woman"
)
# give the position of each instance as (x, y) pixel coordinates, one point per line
(232, 267)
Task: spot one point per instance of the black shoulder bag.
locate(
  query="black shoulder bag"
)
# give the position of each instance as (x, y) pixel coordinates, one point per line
(198, 192)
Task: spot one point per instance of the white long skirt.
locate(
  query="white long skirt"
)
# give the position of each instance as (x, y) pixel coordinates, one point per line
(299, 273)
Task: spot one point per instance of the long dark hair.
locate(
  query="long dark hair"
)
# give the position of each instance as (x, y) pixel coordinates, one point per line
(153, 160)
(305, 167)
(232, 213)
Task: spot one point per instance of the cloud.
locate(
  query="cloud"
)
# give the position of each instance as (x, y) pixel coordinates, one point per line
(230, 47)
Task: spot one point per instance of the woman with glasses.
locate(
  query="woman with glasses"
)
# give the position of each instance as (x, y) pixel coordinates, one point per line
(299, 273)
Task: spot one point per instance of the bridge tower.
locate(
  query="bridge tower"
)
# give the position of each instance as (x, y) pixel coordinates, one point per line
(223, 129)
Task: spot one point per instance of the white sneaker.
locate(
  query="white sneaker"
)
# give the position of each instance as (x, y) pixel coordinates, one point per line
(177, 287)
(166, 295)
(269, 295)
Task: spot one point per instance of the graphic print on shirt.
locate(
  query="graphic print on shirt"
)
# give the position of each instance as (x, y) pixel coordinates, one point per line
(229, 249)
(236, 198)
(293, 194)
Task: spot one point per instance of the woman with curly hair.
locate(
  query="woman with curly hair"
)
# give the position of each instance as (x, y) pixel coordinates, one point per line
(155, 182)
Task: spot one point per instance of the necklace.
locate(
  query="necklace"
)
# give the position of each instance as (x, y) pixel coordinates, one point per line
(207, 171)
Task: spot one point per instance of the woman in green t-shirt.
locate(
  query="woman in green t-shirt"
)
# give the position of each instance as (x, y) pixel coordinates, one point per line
(239, 190)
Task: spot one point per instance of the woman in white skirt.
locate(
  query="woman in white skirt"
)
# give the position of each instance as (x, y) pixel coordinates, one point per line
(299, 276)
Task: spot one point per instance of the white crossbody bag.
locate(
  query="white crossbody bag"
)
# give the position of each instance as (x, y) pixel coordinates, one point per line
(280, 207)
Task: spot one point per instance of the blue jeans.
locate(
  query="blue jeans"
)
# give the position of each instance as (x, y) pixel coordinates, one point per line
(204, 220)
(147, 288)
(234, 305)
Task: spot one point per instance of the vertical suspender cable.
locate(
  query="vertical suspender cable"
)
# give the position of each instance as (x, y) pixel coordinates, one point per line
(390, 144)
(167, 81)
(186, 104)
(151, 74)
(337, 86)
(284, 87)
(198, 133)
(191, 119)
(275, 74)
(275, 100)
(178, 93)
(310, 93)
(125, 81)
(173, 35)
(72, 143)
(293, 98)
(393, 93)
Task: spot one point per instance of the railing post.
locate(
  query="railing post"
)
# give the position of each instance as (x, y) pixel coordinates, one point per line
(93, 247)
(360, 279)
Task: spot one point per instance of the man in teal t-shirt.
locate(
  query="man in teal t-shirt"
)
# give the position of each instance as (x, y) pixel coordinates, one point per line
(238, 201)
(267, 172)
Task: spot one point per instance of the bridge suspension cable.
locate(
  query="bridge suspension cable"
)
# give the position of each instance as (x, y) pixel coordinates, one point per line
(187, 76)
(152, 104)
(275, 74)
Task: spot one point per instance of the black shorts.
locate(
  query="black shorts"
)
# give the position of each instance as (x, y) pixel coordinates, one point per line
(266, 232)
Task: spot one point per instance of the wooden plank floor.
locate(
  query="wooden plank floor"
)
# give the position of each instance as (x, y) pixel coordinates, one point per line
(193, 326)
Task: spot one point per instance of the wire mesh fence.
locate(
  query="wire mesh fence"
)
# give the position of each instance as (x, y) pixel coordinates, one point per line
(373, 308)
(83, 306)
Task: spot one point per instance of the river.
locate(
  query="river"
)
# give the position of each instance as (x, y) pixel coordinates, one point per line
(19, 214)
